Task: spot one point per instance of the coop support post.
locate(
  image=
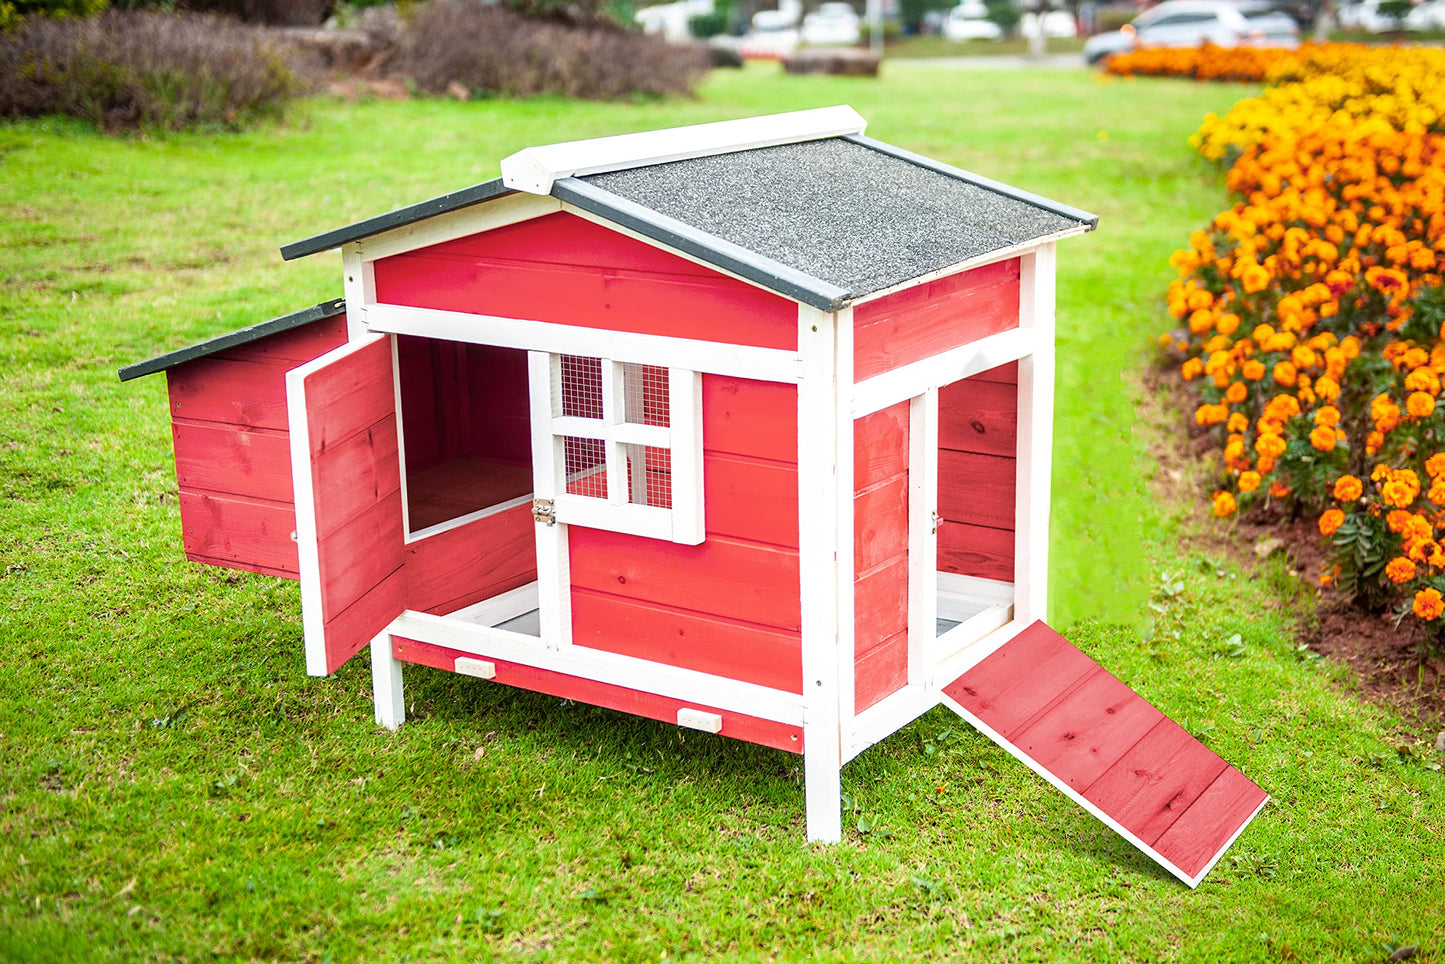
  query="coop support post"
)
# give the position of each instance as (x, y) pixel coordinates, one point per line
(819, 555)
(1035, 438)
(386, 688)
(359, 287)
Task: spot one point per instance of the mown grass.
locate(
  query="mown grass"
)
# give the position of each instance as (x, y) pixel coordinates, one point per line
(172, 786)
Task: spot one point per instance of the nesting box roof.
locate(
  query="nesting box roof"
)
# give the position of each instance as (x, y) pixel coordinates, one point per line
(802, 203)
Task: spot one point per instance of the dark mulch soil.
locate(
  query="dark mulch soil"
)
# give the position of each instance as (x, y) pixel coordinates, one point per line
(1389, 661)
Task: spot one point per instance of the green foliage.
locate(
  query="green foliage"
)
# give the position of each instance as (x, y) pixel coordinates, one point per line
(1005, 14)
(713, 24)
(1396, 10)
(911, 12)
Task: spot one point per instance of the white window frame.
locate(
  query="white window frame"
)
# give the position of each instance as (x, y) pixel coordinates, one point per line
(683, 522)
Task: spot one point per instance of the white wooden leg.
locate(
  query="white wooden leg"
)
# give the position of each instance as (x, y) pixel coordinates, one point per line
(386, 691)
(822, 788)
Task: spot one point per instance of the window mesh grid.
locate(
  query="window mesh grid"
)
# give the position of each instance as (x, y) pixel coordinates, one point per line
(581, 387)
(586, 462)
(649, 476)
(644, 392)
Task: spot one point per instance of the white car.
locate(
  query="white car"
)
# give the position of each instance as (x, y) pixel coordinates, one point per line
(833, 23)
(1427, 16)
(966, 22)
(1365, 15)
(1189, 23)
(1057, 23)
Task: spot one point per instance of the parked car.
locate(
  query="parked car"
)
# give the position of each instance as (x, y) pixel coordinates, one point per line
(1427, 16)
(1365, 15)
(1057, 23)
(967, 22)
(1189, 23)
(834, 22)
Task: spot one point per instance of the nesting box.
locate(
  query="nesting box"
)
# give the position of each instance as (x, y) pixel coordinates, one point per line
(743, 426)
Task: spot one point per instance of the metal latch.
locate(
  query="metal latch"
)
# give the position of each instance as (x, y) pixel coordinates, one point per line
(544, 511)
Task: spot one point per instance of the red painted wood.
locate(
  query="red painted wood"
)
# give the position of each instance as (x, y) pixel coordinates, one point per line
(1012, 685)
(1008, 373)
(976, 489)
(296, 346)
(746, 417)
(880, 446)
(880, 672)
(354, 627)
(1087, 729)
(1152, 785)
(929, 319)
(352, 474)
(562, 290)
(497, 401)
(243, 566)
(360, 553)
(239, 533)
(246, 394)
(880, 523)
(692, 640)
(751, 499)
(976, 416)
(720, 577)
(226, 459)
(1197, 837)
(471, 562)
(735, 725)
(976, 551)
(880, 604)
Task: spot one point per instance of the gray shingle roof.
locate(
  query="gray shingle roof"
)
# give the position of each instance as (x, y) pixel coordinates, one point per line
(232, 339)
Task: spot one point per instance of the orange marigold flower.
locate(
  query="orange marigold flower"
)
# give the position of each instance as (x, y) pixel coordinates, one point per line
(1423, 379)
(1248, 481)
(1323, 439)
(1400, 489)
(1400, 570)
(1211, 414)
(1348, 488)
(1437, 492)
(1428, 604)
(1224, 504)
(1279, 489)
(1201, 321)
(1236, 393)
(1330, 521)
(1238, 422)
(1435, 465)
(1327, 388)
(1373, 442)
(1285, 374)
(1420, 404)
(1252, 370)
(1255, 278)
(1328, 416)
(1270, 446)
(1228, 323)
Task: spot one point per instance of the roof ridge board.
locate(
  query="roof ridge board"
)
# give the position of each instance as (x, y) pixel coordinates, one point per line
(233, 339)
(741, 261)
(978, 180)
(402, 216)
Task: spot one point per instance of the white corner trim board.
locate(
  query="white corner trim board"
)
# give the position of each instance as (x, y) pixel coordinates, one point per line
(534, 169)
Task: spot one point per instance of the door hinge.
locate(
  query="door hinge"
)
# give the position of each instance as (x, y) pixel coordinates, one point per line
(544, 511)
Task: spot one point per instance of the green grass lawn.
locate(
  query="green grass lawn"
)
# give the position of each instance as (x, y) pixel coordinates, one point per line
(173, 787)
(934, 45)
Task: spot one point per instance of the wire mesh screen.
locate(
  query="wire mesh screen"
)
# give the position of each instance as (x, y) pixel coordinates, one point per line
(582, 387)
(649, 476)
(644, 392)
(586, 460)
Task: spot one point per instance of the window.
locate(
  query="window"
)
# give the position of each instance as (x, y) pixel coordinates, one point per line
(626, 444)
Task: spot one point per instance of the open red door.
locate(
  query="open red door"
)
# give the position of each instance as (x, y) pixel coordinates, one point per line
(1108, 749)
(347, 478)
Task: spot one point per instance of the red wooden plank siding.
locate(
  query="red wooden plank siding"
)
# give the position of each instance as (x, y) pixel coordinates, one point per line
(729, 606)
(977, 472)
(927, 319)
(1054, 706)
(232, 449)
(880, 554)
(780, 736)
(566, 270)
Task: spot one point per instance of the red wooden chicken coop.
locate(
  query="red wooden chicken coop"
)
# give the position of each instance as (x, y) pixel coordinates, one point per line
(743, 426)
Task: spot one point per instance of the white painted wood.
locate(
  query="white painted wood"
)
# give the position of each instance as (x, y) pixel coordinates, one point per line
(500, 608)
(956, 653)
(480, 668)
(718, 358)
(689, 522)
(461, 520)
(843, 517)
(613, 410)
(313, 624)
(359, 288)
(387, 695)
(658, 436)
(1035, 438)
(898, 384)
(976, 625)
(993, 257)
(819, 492)
(535, 168)
(886, 717)
(648, 521)
(990, 591)
(922, 532)
(647, 676)
(1084, 802)
(700, 720)
(494, 213)
(554, 570)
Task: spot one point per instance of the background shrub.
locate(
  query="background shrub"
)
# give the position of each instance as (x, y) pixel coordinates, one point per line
(493, 49)
(134, 68)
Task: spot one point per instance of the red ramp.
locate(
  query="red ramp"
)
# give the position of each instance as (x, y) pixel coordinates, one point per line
(1108, 749)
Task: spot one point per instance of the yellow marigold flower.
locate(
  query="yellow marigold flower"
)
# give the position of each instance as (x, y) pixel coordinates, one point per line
(1303, 356)
(1328, 416)
(1228, 323)
(1420, 404)
(1165, 340)
(1255, 278)
(1428, 604)
(1330, 521)
(1201, 321)
(1348, 488)
(1252, 370)
(1284, 374)
(1323, 439)
(1351, 347)
(1224, 504)
(1248, 481)
(1400, 570)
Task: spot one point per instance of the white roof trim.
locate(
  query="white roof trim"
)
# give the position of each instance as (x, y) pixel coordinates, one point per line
(534, 169)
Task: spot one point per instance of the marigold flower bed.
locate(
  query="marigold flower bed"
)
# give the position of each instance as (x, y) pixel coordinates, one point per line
(1313, 310)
